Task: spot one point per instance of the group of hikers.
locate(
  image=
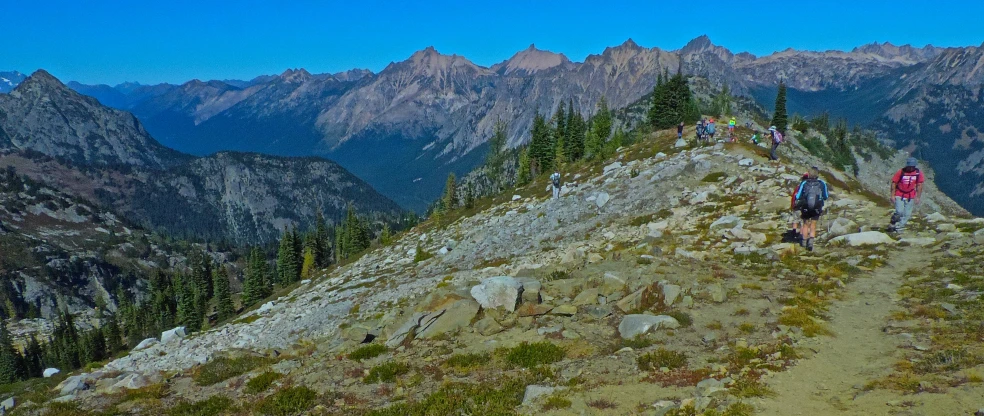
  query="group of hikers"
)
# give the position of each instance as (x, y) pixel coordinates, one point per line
(706, 129)
(808, 198)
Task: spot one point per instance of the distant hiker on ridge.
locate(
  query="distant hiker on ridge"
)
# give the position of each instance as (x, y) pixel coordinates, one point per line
(907, 186)
(731, 129)
(555, 180)
(680, 131)
(776, 141)
(710, 129)
(809, 199)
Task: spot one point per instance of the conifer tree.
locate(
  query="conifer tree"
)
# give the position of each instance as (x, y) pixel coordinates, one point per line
(113, 335)
(33, 358)
(576, 135)
(10, 359)
(779, 118)
(541, 150)
(385, 236)
(223, 295)
(254, 285)
(523, 171)
(560, 123)
(287, 260)
(602, 121)
(307, 268)
(322, 247)
(450, 198)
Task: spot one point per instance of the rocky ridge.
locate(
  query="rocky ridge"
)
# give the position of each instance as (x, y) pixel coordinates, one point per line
(672, 250)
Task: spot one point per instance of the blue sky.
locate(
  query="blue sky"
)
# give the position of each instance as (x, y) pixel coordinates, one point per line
(175, 41)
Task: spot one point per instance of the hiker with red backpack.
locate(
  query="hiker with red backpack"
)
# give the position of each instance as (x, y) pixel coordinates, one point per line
(907, 186)
(776, 141)
(810, 199)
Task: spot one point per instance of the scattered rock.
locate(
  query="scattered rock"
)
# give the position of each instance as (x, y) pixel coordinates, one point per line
(587, 297)
(48, 372)
(488, 326)
(7, 405)
(670, 293)
(531, 289)
(173, 335)
(717, 292)
(266, 307)
(611, 167)
(919, 241)
(865, 238)
(565, 310)
(841, 226)
(534, 392)
(147, 343)
(634, 325)
(680, 143)
(935, 217)
(598, 311)
(516, 197)
(498, 292)
(135, 381)
(746, 162)
(611, 284)
(726, 222)
(533, 309)
(602, 199)
(72, 385)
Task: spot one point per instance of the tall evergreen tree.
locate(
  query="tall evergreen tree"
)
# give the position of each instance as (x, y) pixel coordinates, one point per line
(523, 171)
(287, 260)
(779, 117)
(223, 296)
(450, 197)
(10, 360)
(574, 140)
(542, 151)
(113, 335)
(308, 265)
(33, 358)
(254, 285)
(322, 247)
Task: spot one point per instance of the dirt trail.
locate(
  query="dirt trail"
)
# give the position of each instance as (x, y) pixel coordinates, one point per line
(827, 383)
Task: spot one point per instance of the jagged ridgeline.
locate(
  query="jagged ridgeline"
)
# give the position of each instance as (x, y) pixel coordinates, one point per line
(56, 135)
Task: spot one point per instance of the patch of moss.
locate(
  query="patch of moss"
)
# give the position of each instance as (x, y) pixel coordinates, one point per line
(224, 368)
(386, 372)
(528, 355)
(662, 358)
(262, 382)
(682, 317)
(556, 401)
(289, 401)
(368, 351)
(214, 405)
(714, 177)
(467, 361)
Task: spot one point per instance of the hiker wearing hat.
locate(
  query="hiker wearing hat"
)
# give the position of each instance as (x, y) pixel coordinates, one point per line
(907, 186)
(776, 141)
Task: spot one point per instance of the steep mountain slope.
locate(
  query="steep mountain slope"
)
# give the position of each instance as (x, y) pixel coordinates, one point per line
(59, 137)
(657, 281)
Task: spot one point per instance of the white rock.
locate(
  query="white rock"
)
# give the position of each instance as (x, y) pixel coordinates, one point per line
(601, 199)
(516, 197)
(263, 308)
(727, 221)
(865, 238)
(680, 143)
(670, 293)
(147, 343)
(935, 217)
(534, 392)
(497, 292)
(634, 325)
(841, 226)
(746, 162)
(919, 241)
(48, 372)
(7, 405)
(173, 335)
(611, 167)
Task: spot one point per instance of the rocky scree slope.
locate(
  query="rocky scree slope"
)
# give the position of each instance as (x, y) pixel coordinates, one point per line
(663, 278)
(73, 143)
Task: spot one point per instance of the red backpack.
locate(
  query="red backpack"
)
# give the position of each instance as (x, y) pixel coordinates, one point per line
(907, 182)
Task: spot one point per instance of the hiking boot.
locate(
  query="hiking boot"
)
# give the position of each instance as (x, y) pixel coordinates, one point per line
(809, 244)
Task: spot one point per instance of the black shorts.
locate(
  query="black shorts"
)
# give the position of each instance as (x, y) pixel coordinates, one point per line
(810, 214)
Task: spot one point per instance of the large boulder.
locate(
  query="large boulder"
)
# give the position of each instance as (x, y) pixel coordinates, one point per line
(418, 323)
(635, 325)
(137, 381)
(498, 292)
(173, 335)
(457, 316)
(841, 226)
(602, 199)
(72, 384)
(866, 238)
(7, 405)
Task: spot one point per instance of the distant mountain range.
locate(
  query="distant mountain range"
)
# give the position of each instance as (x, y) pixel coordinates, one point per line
(403, 129)
(75, 144)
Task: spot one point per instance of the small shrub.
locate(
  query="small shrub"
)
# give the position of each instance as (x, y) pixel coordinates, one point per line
(224, 368)
(153, 391)
(386, 372)
(747, 327)
(641, 220)
(637, 343)
(212, 406)
(556, 402)
(368, 351)
(467, 361)
(529, 355)
(714, 177)
(602, 404)
(261, 382)
(662, 358)
(682, 317)
(801, 318)
(289, 401)
(247, 320)
(421, 255)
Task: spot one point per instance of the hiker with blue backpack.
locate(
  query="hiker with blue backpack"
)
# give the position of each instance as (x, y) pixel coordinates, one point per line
(810, 200)
(710, 129)
(776, 141)
(555, 181)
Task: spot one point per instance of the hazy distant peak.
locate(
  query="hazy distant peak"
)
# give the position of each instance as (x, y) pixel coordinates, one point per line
(698, 44)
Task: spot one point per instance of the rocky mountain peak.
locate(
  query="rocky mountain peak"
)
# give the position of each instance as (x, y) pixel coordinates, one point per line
(41, 79)
(697, 45)
(529, 61)
(296, 75)
(352, 74)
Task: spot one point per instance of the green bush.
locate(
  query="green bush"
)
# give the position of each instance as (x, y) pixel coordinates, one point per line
(466, 361)
(529, 355)
(386, 373)
(288, 402)
(682, 317)
(368, 351)
(662, 358)
(224, 368)
(261, 382)
(421, 255)
(212, 406)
